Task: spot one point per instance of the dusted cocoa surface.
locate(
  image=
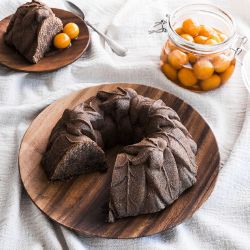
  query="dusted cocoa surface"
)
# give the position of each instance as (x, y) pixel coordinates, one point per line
(149, 174)
(31, 30)
(82, 203)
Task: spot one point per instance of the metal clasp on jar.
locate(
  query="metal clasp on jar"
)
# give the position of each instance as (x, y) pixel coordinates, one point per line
(239, 49)
(159, 27)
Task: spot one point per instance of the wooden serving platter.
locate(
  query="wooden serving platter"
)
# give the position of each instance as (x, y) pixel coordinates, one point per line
(53, 60)
(81, 203)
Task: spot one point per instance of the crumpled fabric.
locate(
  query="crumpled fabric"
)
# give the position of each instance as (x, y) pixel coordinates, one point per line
(223, 221)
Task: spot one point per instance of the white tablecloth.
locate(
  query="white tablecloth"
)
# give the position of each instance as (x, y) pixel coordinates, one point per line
(223, 222)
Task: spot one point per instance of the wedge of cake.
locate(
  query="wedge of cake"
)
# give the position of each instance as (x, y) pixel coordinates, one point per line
(31, 30)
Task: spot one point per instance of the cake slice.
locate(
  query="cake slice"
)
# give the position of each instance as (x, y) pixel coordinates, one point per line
(74, 146)
(31, 30)
(71, 156)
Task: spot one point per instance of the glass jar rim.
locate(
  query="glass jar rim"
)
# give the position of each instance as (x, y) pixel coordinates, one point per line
(201, 48)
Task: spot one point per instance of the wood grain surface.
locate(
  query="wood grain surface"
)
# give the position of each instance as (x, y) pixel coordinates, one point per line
(81, 203)
(53, 60)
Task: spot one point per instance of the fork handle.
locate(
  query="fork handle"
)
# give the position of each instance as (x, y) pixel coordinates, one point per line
(117, 48)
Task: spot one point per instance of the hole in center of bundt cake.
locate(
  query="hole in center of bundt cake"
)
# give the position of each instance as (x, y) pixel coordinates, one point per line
(121, 133)
(124, 117)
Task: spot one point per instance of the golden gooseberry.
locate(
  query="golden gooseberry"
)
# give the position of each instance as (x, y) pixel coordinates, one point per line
(200, 39)
(187, 37)
(211, 83)
(211, 57)
(203, 69)
(169, 71)
(191, 27)
(177, 58)
(170, 45)
(72, 30)
(227, 74)
(187, 77)
(61, 41)
(221, 62)
(192, 58)
(206, 30)
(179, 31)
(210, 41)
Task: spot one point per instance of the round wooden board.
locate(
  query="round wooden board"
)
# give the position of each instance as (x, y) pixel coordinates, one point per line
(54, 60)
(79, 203)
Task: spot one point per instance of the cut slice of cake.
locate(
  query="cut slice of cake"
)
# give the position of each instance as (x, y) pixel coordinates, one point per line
(74, 146)
(31, 30)
(71, 156)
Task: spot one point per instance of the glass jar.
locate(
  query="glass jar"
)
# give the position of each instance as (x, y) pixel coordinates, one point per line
(199, 66)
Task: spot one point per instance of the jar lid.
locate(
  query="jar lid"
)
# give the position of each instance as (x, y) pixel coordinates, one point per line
(201, 11)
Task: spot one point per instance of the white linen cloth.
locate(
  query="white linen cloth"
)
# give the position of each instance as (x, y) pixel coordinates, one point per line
(223, 222)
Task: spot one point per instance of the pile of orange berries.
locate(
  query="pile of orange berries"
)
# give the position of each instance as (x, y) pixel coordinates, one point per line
(196, 71)
(63, 39)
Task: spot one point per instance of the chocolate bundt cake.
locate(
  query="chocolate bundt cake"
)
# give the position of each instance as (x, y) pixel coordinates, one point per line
(157, 162)
(31, 30)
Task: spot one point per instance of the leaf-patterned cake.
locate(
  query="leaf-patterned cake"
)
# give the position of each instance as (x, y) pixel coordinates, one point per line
(157, 162)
